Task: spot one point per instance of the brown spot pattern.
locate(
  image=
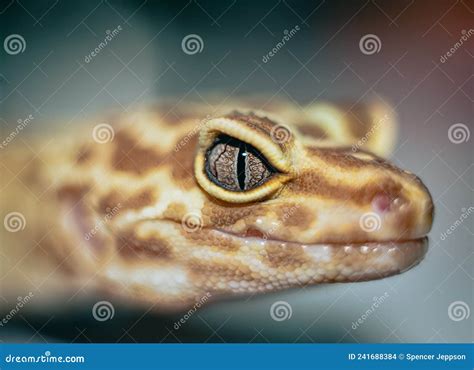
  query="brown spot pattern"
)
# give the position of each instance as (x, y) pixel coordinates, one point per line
(295, 215)
(182, 160)
(225, 215)
(312, 130)
(84, 155)
(129, 246)
(343, 158)
(221, 242)
(280, 256)
(311, 182)
(130, 156)
(215, 269)
(72, 192)
(140, 199)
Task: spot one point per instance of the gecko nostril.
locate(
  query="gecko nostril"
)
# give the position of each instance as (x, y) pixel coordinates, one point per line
(381, 203)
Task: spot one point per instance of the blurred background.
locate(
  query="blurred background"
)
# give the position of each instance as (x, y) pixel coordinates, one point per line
(414, 61)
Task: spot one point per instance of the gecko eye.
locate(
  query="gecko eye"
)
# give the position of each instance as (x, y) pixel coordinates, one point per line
(236, 166)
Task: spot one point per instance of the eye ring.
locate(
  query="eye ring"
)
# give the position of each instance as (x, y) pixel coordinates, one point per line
(236, 165)
(275, 155)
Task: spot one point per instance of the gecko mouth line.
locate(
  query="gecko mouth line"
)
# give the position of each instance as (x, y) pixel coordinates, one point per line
(421, 242)
(356, 261)
(418, 246)
(349, 261)
(252, 233)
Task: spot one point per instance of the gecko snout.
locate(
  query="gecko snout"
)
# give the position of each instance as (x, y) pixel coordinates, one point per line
(408, 211)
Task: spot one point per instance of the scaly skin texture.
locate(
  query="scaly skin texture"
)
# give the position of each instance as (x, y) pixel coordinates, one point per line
(139, 217)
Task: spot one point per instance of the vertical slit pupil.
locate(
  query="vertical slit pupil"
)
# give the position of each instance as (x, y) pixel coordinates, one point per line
(241, 169)
(241, 157)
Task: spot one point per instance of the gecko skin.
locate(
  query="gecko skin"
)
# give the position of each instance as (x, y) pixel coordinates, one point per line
(179, 203)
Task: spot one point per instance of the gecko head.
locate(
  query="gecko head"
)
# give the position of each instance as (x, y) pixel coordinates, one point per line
(247, 205)
(313, 214)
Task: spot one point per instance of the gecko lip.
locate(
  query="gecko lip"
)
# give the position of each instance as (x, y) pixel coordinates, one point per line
(338, 262)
